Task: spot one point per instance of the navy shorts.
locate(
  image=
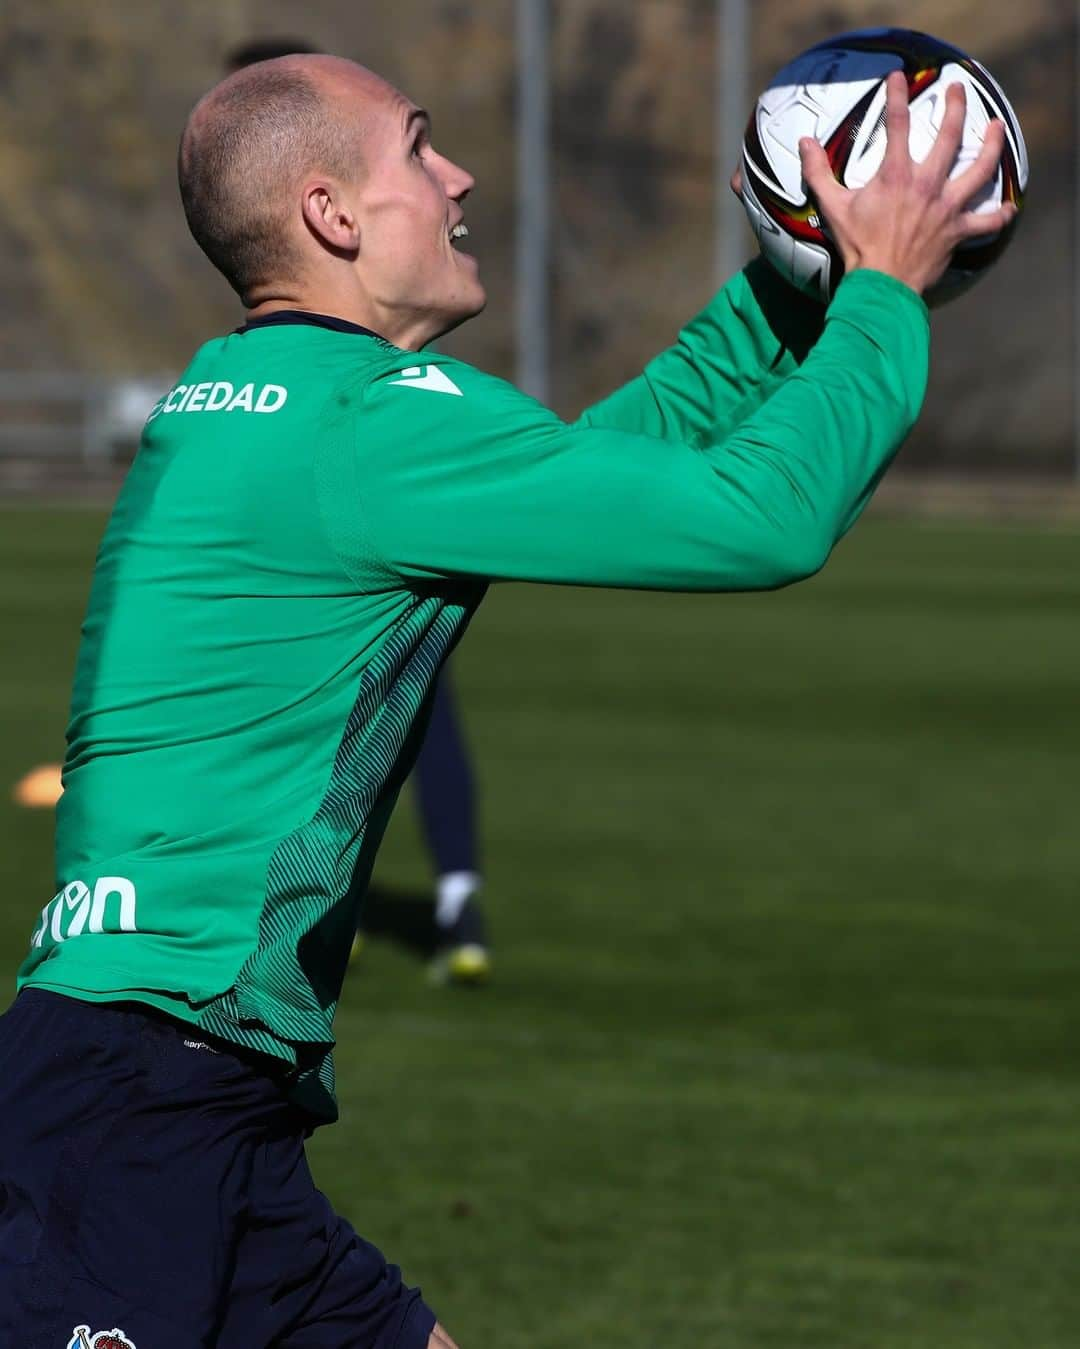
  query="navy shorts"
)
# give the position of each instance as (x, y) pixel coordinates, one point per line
(154, 1194)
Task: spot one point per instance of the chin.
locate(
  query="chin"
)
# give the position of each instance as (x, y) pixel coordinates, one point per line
(479, 303)
(467, 308)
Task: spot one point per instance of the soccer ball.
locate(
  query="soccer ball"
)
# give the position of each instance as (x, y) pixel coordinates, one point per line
(835, 92)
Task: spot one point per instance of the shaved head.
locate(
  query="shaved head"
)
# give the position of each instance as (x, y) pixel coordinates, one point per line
(247, 148)
(311, 183)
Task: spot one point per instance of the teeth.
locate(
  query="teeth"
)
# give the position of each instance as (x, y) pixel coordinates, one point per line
(459, 232)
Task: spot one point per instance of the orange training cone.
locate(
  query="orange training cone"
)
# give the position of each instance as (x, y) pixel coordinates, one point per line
(40, 788)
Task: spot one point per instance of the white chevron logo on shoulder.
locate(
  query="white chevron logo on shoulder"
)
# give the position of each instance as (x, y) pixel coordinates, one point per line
(427, 377)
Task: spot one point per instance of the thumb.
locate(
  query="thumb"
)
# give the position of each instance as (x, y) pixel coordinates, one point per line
(817, 173)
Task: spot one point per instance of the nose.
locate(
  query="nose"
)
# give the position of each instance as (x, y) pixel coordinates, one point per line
(457, 182)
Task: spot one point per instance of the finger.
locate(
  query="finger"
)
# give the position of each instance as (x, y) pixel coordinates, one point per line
(972, 181)
(942, 156)
(736, 182)
(897, 122)
(818, 175)
(976, 225)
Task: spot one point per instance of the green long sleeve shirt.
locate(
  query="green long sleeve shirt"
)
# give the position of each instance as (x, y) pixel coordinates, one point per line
(312, 519)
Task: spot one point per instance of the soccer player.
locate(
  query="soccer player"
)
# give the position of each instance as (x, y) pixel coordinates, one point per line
(312, 519)
(443, 782)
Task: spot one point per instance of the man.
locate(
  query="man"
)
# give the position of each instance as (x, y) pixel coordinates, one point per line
(310, 523)
(443, 780)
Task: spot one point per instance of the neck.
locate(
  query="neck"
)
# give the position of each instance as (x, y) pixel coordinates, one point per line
(409, 332)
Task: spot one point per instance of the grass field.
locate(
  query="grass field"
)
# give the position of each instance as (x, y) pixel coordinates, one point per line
(783, 1045)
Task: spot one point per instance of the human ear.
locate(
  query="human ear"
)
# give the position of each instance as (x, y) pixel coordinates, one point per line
(329, 217)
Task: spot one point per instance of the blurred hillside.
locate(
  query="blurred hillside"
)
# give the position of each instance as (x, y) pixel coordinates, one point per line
(97, 271)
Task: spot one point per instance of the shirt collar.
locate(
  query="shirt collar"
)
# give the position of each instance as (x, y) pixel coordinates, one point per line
(305, 316)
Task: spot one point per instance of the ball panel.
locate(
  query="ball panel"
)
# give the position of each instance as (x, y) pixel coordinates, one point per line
(993, 99)
(779, 136)
(791, 237)
(848, 144)
(776, 243)
(812, 268)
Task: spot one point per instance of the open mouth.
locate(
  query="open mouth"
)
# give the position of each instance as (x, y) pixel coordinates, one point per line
(458, 233)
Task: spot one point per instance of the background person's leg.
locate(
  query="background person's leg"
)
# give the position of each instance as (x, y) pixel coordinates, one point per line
(446, 798)
(445, 790)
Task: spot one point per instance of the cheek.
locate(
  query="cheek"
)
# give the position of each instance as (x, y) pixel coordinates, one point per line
(413, 225)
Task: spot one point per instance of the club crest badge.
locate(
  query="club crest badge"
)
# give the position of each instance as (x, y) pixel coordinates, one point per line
(83, 1338)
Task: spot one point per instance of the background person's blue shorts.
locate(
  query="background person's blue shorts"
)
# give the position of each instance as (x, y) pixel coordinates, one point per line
(157, 1188)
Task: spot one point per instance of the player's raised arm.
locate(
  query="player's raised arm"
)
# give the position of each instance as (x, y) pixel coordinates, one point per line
(725, 363)
(489, 484)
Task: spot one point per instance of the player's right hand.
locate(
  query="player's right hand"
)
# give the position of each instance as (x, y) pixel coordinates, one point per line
(910, 217)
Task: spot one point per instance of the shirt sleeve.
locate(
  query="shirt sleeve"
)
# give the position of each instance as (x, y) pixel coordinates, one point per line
(477, 480)
(725, 363)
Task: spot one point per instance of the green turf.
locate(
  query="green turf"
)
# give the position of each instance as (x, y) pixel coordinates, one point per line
(783, 1045)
